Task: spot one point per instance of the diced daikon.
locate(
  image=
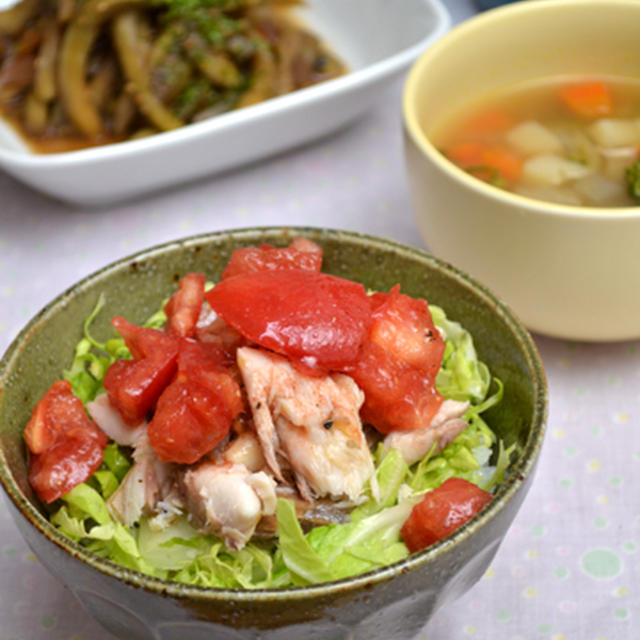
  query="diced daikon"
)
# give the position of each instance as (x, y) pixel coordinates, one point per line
(551, 169)
(600, 191)
(561, 195)
(615, 132)
(616, 160)
(579, 147)
(531, 137)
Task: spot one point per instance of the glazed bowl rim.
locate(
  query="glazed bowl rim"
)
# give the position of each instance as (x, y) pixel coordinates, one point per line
(455, 38)
(514, 479)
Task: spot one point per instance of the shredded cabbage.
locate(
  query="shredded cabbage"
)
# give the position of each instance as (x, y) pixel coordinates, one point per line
(370, 539)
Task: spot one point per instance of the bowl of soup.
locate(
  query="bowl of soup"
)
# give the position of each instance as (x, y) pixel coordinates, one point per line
(522, 146)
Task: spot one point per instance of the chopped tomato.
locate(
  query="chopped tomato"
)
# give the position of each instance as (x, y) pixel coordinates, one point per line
(403, 326)
(300, 254)
(204, 364)
(398, 365)
(397, 396)
(184, 306)
(225, 338)
(47, 423)
(64, 466)
(313, 317)
(588, 99)
(134, 386)
(195, 411)
(57, 415)
(441, 512)
(65, 443)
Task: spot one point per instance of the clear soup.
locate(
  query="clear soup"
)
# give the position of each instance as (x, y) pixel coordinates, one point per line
(574, 141)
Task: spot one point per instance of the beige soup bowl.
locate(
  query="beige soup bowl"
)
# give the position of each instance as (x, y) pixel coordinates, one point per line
(570, 272)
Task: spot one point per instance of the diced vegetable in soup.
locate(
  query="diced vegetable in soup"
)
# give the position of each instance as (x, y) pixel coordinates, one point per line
(575, 141)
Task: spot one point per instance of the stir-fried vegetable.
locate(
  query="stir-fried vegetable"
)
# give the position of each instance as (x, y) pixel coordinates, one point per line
(76, 73)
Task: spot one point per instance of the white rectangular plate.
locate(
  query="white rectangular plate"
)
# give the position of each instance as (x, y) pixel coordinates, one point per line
(378, 39)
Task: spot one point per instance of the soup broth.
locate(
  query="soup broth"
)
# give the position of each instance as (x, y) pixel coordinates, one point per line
(574, 141)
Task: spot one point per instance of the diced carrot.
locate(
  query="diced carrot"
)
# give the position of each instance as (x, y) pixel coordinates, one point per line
(481, 158)
(490, 121)
(506, 162)
(465, 154)
(588, 99)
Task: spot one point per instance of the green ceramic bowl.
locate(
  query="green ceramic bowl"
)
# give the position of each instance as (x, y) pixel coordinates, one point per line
(394, 602)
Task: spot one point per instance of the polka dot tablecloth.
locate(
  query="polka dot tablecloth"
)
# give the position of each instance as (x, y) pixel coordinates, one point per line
(569, 567)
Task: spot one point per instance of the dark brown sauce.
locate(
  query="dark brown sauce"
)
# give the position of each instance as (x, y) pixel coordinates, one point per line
(55, 144)
(312, 64)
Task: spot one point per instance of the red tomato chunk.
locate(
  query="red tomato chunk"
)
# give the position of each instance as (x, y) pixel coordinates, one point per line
(225, 338)
(398, 365)
(441, 512)
(195, 411)
(317, 318)
(65, 443)
(184, 306)
(134, 386)
(300, 254)
(404, 328)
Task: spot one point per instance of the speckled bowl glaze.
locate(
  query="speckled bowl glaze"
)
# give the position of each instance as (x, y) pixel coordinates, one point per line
(394, 602)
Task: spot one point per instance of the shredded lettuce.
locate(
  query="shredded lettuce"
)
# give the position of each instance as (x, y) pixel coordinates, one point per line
(172, 548)
(462, 375)
(357, 547)
(84, 517)
(305, 564)
(92, 358)
(391, 472)
(252, 567)
(337, 551)
(369, 540)
(116, 461)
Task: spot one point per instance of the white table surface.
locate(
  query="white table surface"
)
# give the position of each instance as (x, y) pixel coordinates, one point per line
(569, 568)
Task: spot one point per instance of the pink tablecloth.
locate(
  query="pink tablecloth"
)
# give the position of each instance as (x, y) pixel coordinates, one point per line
(569, 568)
